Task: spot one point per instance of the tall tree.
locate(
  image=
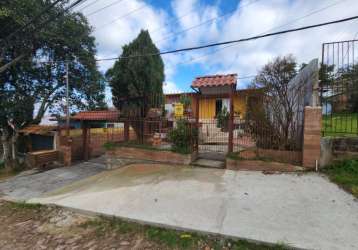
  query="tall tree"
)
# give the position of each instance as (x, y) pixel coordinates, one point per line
(32, 83)
(136, 79)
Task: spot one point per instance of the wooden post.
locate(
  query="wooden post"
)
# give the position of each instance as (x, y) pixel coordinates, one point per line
(126, 131)
(231, 122)
(85, 140)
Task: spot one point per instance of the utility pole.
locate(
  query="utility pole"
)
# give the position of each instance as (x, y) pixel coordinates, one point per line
(67, 104)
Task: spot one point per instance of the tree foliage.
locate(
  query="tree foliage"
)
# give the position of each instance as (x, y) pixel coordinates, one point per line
(347, 83)
(273, 114)
(137, 81)
(340, 87)
(183, 137)
(33, 83)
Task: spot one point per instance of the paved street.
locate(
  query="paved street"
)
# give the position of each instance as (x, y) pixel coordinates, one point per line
(30, 184)
(305, 211)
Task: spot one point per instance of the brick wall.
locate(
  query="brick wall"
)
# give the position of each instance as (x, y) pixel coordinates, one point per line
(312, 136)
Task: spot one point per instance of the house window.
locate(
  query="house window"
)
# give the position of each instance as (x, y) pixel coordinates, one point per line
(218, 106)
(110, 125)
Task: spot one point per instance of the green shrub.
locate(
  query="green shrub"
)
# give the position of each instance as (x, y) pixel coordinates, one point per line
(183, 137)
(223, 119)
(109, 145)
(345, 174)
(185, 100)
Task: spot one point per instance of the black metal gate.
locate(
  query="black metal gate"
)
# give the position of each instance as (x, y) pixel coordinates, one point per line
(213, 138)
(339, 88)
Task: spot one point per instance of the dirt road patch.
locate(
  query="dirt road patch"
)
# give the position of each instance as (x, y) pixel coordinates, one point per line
(26, 226)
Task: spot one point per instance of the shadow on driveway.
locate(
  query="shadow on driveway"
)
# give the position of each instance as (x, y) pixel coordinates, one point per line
(32, 184)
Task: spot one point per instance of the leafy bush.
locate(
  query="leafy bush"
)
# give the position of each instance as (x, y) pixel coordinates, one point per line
(185, 100)
(183, 137)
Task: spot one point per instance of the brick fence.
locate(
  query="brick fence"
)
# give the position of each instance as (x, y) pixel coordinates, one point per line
(311, 151)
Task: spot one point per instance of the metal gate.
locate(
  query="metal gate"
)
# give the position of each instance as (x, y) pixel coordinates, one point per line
(212, 137)
(339, 88)
(214, 113)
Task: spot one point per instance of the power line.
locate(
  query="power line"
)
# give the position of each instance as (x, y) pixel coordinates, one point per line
(279, 26)
(88, 5)
(33, 20)
(105, 7)
(174, 34)
(236, 41)
(124, 15)
(38, 28)
(59, 14)
(170, 22)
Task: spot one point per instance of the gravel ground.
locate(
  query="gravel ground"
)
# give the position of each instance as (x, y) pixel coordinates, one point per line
(54, 228)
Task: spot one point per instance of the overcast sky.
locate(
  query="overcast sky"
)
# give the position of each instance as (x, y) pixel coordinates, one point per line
(207, 21)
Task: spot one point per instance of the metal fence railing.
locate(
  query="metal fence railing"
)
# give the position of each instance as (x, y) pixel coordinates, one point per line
(339, 88)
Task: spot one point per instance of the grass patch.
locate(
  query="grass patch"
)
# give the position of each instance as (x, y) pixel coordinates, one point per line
(7, 173)
(345, 174)
(173, 239)
(104, 227)
(131, 144)
(342, 124)
(234, 156)
(24, 205)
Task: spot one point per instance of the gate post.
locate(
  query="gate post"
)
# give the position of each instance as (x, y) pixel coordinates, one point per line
(85, 140)
(197, 103)
(66, 152)
(231, 122)
(312, 136)
(126, 131)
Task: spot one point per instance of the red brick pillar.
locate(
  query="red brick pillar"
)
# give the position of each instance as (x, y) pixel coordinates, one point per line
(312, 136)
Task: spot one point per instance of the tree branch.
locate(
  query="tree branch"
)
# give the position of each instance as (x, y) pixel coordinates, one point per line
(9, 64)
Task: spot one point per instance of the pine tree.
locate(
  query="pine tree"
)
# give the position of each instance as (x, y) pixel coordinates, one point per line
(137, 81)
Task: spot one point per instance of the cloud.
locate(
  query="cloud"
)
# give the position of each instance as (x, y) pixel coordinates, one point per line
(171, 88)
(249, 18)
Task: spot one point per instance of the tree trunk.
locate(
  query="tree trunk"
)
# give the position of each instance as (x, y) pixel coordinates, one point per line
(9, 149)
(6, 145)
(5, 150)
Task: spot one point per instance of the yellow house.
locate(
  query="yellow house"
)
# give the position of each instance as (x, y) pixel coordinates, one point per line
(213, 93)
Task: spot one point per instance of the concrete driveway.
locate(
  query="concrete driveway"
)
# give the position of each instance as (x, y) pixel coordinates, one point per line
(305, 211)
(31, 184)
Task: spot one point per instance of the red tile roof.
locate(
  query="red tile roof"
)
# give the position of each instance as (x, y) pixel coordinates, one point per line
(101, 115)
(214, 80)
(38, 129)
